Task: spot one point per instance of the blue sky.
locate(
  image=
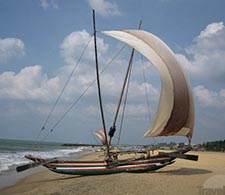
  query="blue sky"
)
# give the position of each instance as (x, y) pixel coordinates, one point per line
(41, 41)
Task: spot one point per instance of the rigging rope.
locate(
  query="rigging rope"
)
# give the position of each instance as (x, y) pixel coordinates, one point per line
(124, 104)
(83, 93)
(113, 128)
(64, 87)
(146, 94)
(146, 90)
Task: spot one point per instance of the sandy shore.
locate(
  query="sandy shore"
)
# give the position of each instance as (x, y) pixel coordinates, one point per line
(183, 177)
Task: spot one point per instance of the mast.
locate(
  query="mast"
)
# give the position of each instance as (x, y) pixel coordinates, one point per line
(113, 128)
(98, 84)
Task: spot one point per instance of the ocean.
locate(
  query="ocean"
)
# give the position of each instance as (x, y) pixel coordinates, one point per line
(12, 154)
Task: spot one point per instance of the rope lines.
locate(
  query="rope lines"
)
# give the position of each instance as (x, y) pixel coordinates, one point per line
(124, 105)
(146, 94)
(146, 89)
(81, 95)
(64, 87)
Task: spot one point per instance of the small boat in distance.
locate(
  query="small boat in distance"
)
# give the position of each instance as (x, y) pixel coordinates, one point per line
(174, 116)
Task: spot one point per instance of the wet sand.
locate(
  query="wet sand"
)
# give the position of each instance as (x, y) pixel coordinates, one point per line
(183, 178)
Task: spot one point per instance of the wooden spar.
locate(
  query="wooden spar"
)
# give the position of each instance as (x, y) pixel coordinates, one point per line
(99, 88)
(123, 88)
(37, 162)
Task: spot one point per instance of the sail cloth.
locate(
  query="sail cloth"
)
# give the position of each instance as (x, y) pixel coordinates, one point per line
(175, 113)
(101, 136)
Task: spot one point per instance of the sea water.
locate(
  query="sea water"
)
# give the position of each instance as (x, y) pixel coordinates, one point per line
(12, 154)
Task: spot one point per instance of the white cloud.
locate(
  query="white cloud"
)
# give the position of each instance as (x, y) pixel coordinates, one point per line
(209, 98)
(112, 84)
(73, 45)
(206, 64)
(133, 110)
(46, 4)
(207, 54)
(32, 84)
(29, 84)
(9, 48)
(72, 48)
(211, 29)
(105, 8)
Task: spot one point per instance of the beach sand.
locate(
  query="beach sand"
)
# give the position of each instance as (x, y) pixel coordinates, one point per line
(183, 177)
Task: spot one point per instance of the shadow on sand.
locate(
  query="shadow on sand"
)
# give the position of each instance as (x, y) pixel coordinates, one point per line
(186, 171)
(180, 171)
(59, 179)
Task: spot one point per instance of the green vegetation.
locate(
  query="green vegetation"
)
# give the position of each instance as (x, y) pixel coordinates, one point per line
(214, 146)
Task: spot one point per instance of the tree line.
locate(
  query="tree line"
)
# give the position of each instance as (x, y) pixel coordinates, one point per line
(214, 146)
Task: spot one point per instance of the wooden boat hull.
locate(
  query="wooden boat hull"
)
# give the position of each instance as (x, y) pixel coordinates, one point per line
(101, 168)
(132, 165)
(105, 170)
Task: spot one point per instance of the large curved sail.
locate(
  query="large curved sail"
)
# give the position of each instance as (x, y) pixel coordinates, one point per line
(175, 113)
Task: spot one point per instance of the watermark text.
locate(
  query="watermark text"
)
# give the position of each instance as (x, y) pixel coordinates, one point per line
(211, 191)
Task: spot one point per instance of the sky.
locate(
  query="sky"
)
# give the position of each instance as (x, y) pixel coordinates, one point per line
(41, 42)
